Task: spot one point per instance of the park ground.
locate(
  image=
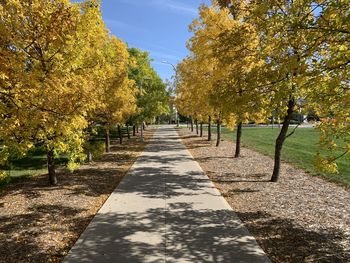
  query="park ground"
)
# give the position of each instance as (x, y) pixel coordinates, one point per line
(302, 218)
(300, 149)
(39, 223)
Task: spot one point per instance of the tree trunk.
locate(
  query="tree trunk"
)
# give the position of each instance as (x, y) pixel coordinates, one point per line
(137, 128)
(107, 140)
(127, 130)
(280, 140)
(89, 157)
(197, 130)
(272, 121)
(191, 124)
(133, 130)
(51, 167)
(201, 129)
(238, 140)
(218, 131)
(142, 131)
(209, 129)
(120, 135)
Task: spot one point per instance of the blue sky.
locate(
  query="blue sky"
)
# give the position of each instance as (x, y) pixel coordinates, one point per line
(157, 26)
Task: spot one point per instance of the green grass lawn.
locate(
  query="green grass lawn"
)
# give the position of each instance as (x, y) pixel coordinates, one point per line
(34, 163)
(300, 149)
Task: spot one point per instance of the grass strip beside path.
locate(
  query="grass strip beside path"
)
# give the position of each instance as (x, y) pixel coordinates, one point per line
(300, 149)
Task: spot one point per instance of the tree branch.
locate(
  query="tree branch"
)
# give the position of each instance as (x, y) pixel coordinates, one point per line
(295, 128)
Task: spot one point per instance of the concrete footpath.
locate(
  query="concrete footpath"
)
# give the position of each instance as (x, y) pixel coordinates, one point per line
(166, 210)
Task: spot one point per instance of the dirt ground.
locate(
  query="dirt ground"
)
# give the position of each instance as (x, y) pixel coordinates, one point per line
(301, 218)
(39, 223)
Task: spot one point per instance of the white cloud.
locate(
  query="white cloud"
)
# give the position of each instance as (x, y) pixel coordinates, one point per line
(173, 5)
(159, 52)
(158, 55)
(119, 24)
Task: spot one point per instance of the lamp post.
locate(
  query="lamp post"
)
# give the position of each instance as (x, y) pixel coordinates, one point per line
(142, 117)
(175, 70)
(166, 62)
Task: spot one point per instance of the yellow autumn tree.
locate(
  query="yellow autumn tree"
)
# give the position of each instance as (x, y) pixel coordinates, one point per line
(115, 90)
(284, 51)
(193, 85)
(270, 56)
(233, 42)
(202, 88)
(303, 45)
(288, 43)
(331, 73)
(48, 54)
(226, 46)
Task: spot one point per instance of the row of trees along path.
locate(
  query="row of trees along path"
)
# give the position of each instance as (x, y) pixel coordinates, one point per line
(250, 60)
(63, 75)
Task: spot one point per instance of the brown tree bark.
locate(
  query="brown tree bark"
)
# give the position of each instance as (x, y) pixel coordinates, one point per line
(201, 130)
(142, 129)
(107, 140)
(51, 167)
(128, 131)
(120, 135)
(238, 140)
(218, 131)
(280, 141)
(191, 124)
(133, 130)
(89, 157)
(197, 129)
(209, 129)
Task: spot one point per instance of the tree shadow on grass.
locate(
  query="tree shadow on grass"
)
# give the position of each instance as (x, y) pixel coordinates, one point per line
(286, 241)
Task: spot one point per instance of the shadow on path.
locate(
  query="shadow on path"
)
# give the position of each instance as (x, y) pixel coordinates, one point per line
(166, 210)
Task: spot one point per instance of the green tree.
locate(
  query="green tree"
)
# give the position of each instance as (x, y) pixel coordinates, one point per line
(152, 99)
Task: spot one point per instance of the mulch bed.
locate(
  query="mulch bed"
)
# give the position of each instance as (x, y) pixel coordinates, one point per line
(302, 218)
(39, 223)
